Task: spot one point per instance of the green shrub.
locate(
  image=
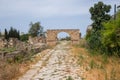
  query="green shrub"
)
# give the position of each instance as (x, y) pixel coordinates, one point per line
(24, 37)
(69, 78)
(10, 49)
(111, 36)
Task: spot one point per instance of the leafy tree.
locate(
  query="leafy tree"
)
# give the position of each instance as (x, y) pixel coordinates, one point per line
(99, 14)
(111, 35)
(118, 6)
(35, 29)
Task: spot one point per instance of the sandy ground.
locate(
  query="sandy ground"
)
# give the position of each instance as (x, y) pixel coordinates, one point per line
(57, 64)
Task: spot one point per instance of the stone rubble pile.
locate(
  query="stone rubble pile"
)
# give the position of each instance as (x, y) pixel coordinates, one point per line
(20, 48)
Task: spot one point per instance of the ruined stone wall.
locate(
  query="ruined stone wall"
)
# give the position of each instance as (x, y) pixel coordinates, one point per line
(19, 47)
(3, 42)
(36, 40)
(13, 42)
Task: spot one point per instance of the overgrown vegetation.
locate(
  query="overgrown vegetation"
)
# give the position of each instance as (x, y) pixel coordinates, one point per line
(10, 67)
(11, 57)
(99, 14)
(69, 78)
(96, 66)
(104, 37)
(8, 71)
(8, 50)
(111, 36)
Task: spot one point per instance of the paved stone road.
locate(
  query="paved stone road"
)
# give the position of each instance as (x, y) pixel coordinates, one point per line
(56, 65)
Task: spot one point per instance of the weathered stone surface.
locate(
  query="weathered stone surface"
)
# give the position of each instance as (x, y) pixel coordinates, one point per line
(3, 43)
(57, 64)
(52, 35)
(35, 40)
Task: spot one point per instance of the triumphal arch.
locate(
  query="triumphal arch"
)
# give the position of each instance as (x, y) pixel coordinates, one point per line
(52, 35)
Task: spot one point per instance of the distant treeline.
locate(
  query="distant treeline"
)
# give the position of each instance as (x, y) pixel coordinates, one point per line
(35, 30)
(12, 33)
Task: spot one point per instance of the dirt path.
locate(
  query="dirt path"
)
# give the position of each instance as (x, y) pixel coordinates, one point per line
(56, 65)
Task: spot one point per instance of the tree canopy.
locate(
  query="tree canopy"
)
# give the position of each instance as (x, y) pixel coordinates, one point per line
(99, 14)
(35, 29)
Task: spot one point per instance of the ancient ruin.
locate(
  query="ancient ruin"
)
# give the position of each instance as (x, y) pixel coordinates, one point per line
(18, 47)
(35, 40)
(52, 35)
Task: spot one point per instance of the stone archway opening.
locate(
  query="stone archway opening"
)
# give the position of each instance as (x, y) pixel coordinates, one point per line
(61, 36)
(52, 35)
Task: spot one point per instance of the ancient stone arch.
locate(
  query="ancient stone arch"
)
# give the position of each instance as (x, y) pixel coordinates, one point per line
(52, 35)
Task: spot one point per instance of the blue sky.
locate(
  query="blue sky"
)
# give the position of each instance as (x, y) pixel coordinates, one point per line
(52, 14)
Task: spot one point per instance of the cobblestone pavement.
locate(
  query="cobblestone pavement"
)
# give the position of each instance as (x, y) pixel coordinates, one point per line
(57, 64)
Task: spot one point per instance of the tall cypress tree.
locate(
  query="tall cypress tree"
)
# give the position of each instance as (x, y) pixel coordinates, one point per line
(18, 35)
(13, 33)
(6, 34)
(0, 34)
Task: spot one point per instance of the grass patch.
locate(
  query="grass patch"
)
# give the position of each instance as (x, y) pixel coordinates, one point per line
(82, 43)
(92, 64)
(97, 65)
(8, 71)
(9, 50)
(105, 59)
(113, 75)
(80, 59)
(69, 78)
